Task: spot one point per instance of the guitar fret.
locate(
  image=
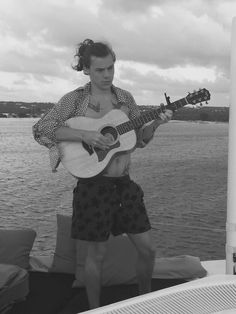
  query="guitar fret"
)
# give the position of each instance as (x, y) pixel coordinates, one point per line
(120, 129)
(127, 126)
(137, 122)
(151, 116)
(156, 114)
(144, 117)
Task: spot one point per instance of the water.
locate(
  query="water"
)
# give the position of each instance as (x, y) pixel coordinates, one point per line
(183, 173)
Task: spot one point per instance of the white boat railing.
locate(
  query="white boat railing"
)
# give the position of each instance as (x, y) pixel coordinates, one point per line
(231, 195)
(213, 294)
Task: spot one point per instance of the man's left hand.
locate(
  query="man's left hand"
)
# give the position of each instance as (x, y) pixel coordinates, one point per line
(166, 116)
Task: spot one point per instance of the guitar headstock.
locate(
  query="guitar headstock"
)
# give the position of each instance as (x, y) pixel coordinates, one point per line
(198, 96)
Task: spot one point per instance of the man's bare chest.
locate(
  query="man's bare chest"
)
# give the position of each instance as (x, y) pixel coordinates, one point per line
(99, 106)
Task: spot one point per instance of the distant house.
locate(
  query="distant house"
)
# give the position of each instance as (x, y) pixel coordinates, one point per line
(3, 115)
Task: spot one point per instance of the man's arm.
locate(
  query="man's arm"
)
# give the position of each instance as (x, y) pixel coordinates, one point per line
(149, 130)
(93, 138)
(145, 134)
(44, 130)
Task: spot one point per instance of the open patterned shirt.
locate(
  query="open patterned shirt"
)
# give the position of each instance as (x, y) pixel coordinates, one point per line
(73, 104)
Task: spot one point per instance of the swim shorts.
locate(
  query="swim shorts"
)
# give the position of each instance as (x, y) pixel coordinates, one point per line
(104, 205)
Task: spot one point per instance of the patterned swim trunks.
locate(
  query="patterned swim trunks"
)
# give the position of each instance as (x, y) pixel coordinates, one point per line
(104, 205)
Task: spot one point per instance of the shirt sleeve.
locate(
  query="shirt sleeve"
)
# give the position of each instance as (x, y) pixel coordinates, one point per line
(44, 129)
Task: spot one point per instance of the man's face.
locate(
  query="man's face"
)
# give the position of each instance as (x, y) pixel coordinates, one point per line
(101, 72)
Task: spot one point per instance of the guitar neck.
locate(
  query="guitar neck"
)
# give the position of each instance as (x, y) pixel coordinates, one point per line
(148, 116)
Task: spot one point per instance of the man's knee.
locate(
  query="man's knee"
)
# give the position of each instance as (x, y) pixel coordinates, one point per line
(95, 257)
(144, 244)
(147, 252)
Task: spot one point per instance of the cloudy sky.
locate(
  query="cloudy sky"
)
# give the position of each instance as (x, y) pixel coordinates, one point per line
(161, 46)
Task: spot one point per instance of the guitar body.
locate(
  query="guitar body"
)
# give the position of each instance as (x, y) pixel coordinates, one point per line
(85, 161)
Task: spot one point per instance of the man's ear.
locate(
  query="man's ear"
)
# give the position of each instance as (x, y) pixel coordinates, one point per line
(86, 71)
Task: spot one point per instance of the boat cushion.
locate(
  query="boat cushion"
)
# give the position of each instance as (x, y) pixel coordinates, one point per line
(14, 285)
(52, 293)
(65, 254)
(15, 246)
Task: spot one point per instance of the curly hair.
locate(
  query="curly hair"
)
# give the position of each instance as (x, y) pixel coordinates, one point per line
(89, 48)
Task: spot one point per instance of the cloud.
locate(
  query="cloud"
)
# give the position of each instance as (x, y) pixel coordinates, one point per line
(39, 39)
(59, 23)
(176, 37)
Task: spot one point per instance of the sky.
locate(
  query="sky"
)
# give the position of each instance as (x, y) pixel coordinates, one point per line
(167, 46)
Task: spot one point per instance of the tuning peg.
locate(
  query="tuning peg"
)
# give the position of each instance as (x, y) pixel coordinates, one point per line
(200, 104)
(167, 100)
(206, 102)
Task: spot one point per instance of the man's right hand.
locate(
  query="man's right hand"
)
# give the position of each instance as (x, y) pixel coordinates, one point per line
(96, 139)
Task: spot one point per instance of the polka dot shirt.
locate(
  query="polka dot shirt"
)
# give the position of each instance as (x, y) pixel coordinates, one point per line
(73, 104)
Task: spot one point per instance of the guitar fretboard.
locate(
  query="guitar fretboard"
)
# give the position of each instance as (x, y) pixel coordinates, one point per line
(148, 116)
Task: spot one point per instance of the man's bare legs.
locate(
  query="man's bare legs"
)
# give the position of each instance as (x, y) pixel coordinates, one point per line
(146, 257)
(93, 272)
(95, 256)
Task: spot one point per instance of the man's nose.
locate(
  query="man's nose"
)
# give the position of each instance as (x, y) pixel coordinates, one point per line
(106, 73)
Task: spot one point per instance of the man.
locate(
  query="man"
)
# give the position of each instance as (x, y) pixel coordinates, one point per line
(109, 202)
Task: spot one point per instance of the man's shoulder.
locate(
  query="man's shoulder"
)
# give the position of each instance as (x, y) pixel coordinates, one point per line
(123, 94)
(73, 95)
(122, 91)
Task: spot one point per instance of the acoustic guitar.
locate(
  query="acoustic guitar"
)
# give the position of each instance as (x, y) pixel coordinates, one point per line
(85, 161)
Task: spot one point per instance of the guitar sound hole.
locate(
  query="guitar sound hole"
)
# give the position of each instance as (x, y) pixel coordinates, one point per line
(110, 132)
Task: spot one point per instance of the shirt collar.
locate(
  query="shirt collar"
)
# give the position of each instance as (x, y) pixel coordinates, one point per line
(117, 91)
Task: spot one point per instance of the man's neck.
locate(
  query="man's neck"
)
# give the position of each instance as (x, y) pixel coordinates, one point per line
(100, 92)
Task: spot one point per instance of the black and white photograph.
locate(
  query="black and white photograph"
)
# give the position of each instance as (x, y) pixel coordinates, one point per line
(117, 156)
